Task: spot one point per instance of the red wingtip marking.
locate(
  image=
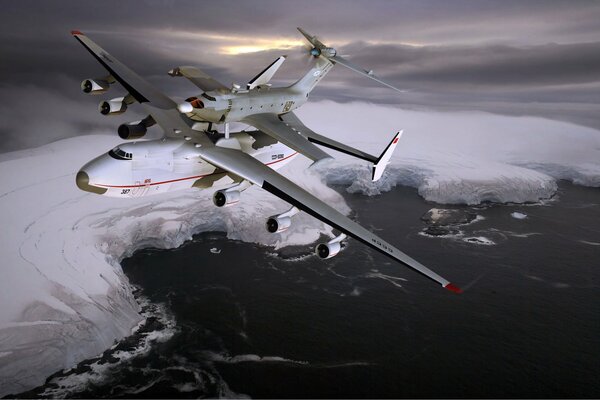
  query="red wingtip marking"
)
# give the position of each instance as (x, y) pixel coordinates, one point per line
(395, 140)
(76, 33)
(453, 288)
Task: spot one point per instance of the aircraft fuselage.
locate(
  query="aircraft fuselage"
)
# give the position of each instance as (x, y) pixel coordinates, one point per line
(136, 169)
(220, 107)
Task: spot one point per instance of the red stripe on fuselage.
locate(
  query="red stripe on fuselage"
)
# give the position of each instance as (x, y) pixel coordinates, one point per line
(177, 180)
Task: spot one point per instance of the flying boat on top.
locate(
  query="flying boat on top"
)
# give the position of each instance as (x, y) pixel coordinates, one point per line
(192, 153)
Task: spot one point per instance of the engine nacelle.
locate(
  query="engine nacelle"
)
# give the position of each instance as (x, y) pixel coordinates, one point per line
(276, 224)
(328, 250)
(331, 248)
(113, 107)
(226, 198)
(328, 51)
(94, 86)
(280, 222)
(132, 131)
(135, 130)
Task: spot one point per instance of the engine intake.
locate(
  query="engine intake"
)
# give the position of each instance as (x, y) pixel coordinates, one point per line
(331, 248)
(281, 222)
(132, 131)
(135, 130)
(278, 224)
(226, 198)
(113, 107)
(94, 86)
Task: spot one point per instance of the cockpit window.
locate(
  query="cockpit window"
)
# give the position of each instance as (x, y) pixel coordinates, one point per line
(120, 154)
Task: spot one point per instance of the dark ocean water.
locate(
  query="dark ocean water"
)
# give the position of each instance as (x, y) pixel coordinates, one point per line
(250, 322)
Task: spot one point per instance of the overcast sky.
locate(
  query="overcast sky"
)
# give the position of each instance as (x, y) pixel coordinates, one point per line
(538, 58)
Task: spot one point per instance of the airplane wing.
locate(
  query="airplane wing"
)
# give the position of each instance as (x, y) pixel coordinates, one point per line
(362, 71)
(162, 108)
(274, 127)
(254, 171)
(199, 78)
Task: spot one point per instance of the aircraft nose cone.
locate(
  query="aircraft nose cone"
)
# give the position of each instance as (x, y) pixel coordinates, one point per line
(185, 108)
(83, 182)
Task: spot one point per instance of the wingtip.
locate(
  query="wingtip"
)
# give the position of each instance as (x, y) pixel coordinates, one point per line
(453, 288)
(76, 32)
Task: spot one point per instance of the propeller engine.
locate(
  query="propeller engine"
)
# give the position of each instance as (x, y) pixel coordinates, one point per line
(331, 248)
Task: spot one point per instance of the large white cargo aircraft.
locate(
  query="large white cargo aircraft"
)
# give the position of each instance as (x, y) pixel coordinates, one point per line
(192, 154)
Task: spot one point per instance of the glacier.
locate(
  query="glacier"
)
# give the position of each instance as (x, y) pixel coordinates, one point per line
(65, 297)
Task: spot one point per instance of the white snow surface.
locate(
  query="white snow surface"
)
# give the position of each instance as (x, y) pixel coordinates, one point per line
(63, 293)
(457, 158)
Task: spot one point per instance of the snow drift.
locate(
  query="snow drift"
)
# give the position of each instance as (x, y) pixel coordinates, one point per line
(65, 298)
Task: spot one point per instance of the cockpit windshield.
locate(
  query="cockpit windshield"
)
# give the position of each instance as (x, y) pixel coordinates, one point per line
(120, 154)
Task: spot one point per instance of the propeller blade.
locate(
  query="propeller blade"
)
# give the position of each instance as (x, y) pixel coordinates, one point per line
(311, 39)
(369, 74)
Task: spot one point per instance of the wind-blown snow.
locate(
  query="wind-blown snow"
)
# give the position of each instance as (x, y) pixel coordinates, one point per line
(65, 298)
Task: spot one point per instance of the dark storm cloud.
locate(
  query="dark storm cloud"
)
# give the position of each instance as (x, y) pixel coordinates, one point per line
(512, 57)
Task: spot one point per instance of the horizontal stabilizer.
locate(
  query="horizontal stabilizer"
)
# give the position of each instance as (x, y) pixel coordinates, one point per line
(384, 159)
(265, 76)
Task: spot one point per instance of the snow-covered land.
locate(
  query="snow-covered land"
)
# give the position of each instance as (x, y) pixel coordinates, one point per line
(64, 296)
(458, 158)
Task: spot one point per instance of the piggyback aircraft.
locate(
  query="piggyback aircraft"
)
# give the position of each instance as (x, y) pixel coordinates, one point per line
(192, 153)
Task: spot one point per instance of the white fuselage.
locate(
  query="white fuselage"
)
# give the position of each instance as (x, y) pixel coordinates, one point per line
(143, 168)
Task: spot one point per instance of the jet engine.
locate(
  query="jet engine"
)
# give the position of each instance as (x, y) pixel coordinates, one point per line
(276, 224)
(281, 222)
(226, 198)
(331, 248)
(135, 130)
(113, 107)
(132, 131)
(94, 86)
